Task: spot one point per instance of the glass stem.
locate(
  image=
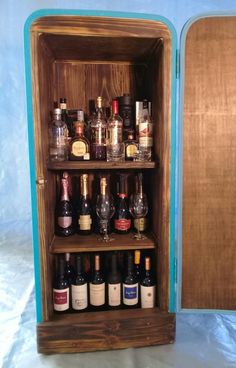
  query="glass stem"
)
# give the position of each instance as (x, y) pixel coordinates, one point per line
(105, 230)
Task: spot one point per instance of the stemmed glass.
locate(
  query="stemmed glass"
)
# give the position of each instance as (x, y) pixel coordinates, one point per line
(105, 209)
(138, 206)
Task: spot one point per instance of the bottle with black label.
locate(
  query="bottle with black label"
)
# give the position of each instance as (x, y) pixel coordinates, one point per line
(130, 285)
(114, 284)
(61, 294)
(79, 288)
(148, 286)
(84, 208)
(97, 286)
(122, 218)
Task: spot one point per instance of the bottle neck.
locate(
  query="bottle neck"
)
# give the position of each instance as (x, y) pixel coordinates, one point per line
(103, 186)
(122, 188)
(114, 107)
(61, 268)
(147, 265)
(137, 257)
(64, 190)
(114, 263)
(67, 257)
(97, 263)
(57, 117)
(130, 265)
(140, 184)
(84, 185)
(79, 265)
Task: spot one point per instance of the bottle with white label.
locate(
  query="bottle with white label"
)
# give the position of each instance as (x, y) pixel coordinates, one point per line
(84, 208)
(148, 286)
(97, 286)
(61, 289)
(79, 287)
(114, 284)
(130, 285)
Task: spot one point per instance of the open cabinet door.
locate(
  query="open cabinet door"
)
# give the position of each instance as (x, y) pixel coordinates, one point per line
(209, 165)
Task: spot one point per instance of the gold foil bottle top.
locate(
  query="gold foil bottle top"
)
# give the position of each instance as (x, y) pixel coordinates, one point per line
(67, 257)
(97, 262)
(147, 263)
(137, 254)
(103, 185)
(99, 102)
(84, 184)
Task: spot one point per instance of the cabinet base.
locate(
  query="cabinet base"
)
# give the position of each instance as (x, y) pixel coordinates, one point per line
(93, 331)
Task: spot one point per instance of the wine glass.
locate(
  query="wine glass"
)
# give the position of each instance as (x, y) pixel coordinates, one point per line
(138, 207)
(105, 209)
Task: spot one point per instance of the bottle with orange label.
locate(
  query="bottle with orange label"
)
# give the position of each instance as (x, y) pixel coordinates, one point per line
(79, 145)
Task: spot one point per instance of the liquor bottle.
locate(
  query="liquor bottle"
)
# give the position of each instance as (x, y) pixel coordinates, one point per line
(126, 113)
(114, 284)
(69, 269)
(98, 134)
(115, 144)
(65, 117)
(130, 285)
(61, 289)
(131, 147)
(84, 210)
(79, 145)
(97, 286)
(148, 287)
(141, 223)
(79, 288)
(58, 149)
(145, 135)
(64, 212)
(122, 219)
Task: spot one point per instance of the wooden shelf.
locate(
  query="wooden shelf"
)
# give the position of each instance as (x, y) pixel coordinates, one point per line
(78, 243)
(100, 165)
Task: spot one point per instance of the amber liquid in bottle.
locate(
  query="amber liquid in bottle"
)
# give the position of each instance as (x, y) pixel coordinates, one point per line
(79, 145)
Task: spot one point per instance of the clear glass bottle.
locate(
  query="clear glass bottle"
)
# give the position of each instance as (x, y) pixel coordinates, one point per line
(115, 144)
(145, 136)
(65, 117)
(131, 147)
(58, 148)
(79, 145)
(98, 133)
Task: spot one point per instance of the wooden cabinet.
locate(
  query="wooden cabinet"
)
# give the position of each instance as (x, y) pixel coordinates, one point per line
(83, 55)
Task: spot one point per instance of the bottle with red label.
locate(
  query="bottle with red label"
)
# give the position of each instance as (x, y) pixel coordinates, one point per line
(122, 219)
(61, 294)
(64, 212)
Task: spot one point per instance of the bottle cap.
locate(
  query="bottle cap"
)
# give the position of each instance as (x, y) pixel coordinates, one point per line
(137, 254)
(57, 111)
(62, 100)
(147, 263)
(125, 99)
(99, 101)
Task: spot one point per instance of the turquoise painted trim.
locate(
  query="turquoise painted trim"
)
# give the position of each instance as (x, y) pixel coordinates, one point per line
(32, 172)
(51, 12)
(183, 36)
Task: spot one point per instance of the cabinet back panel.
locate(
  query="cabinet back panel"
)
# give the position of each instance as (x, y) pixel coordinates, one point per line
(209, 166)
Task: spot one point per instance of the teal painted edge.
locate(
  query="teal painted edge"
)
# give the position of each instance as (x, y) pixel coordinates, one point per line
(54, 12)
(183, 36)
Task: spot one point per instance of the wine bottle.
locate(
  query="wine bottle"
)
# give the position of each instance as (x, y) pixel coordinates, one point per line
(61, 289)
(130, 285)
(137, 271)
(79, 287)
(64, 212)
(148, 287)
(97, 286)
(122, 219)
(69, 269)
(114, 284)
(84, 208)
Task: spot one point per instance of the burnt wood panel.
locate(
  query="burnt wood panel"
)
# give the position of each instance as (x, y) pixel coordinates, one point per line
(209, 166)
(101, 165)
(106, 330)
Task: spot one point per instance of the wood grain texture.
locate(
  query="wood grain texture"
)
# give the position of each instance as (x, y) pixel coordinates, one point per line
(79, 243)
(209, 166)
(106, 330)
(100, 165)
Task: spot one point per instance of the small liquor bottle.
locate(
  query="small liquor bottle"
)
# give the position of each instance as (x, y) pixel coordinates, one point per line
(115, 144)
(131, 147)
(84, 208)
(64, 212)
(61, 289)
(145, 135)
(65, 117)
(79, 145)
(130, 285)
(98, 134)
(114, 284)
(122, 218)
(97, 286)
(79, 287)
(148, 287)
(58, 133)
